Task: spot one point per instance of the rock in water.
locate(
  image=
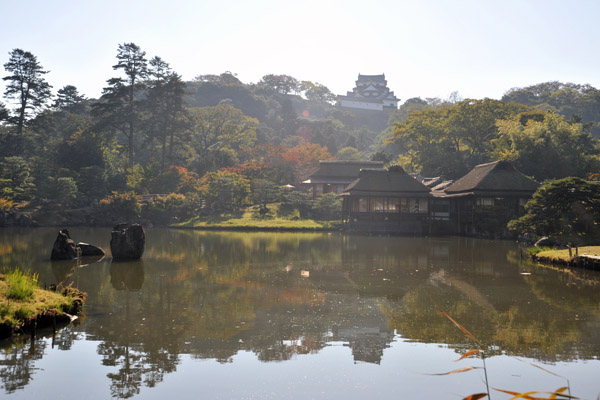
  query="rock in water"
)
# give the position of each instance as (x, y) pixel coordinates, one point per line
(90, 250)
(127, 242)
(64, 247)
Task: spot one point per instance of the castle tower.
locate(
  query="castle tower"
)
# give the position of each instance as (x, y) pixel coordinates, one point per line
(371, 93)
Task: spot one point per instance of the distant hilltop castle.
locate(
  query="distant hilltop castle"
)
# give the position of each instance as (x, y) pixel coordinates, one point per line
(371, 93)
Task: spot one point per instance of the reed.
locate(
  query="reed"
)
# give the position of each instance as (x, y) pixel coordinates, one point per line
(560, 393)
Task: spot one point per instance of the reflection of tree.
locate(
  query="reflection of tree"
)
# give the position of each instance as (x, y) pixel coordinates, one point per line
(17, 363)
(212, 295)
(127, 275)
(515, 322)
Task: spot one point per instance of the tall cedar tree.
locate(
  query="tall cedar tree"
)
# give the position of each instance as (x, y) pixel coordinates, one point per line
(26, 85)
(119, 107)
(165, 105)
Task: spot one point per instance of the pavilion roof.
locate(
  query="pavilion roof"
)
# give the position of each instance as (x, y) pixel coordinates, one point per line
(386, 181)
(498, 176)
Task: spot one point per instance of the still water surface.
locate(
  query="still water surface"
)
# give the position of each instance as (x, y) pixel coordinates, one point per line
(304, 316)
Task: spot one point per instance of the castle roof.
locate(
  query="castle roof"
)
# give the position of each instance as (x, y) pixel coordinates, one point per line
(363, 78)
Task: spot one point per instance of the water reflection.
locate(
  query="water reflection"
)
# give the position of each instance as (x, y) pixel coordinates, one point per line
(278, 295)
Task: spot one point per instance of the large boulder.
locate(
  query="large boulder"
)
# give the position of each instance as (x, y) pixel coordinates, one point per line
(127, 242)
(64, 247)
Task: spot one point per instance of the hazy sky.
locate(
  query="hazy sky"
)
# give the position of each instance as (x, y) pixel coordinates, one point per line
(426, 48)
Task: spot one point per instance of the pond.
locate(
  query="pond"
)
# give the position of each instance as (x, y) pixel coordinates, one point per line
(232, 315)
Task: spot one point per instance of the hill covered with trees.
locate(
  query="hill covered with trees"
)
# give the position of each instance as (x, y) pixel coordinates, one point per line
(153, 133)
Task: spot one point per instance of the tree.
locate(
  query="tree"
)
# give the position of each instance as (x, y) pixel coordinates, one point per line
(546, 146)
(218, 131)
(567, 209)
(317, 92)
(3, 112)
(282, 84)
(16, 181)
(451, 140)
(119, 108)
(26, 85)
(68, 99)
(224, 191)
(349, 153)
(165, 107)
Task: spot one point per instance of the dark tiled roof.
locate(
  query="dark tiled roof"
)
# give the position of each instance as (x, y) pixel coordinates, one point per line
(386, 181)
(498, 176)
(343, 169)
(371, 77)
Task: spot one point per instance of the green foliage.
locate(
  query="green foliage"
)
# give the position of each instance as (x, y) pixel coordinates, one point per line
(65, 190)
(349, 153)
(327, 207)
(135, 178)
(26, 85)
(16, 182)
(117, 207)
(119, 109)
(21, 285)
(545, 146)
(91, 183)
(265, 192)
(224, 191)
(171, 208)
(175, 180)
(296, 201)
(68, 99)
(567, 209)
(282, 84)
(165, 108)
(218, 133)
(317, 92)
(568, 99)
(450, 141)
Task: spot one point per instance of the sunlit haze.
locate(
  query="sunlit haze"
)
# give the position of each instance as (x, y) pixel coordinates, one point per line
(425, 48)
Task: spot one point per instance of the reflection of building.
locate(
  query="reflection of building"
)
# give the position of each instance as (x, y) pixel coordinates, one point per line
(334, 176)
(480, 203)
(371, 93)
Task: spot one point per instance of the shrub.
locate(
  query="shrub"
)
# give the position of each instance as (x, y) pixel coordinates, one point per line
(118, 207)
(167, 209)
(328, 207)
(223, 190)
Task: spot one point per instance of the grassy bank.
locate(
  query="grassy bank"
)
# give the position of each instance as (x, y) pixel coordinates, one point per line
(562, 256)
(24, 305)
(250, 218)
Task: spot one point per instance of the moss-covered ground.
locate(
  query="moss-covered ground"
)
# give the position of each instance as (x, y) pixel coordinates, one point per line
(23, 303)
(251, 218)
(563, 255)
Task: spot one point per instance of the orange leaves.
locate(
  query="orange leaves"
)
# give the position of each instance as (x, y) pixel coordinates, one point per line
(456, 371)
(459, 326)
(558, 394)
(469, 353)
(475, 396)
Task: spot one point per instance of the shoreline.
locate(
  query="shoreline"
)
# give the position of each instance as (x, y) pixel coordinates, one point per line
(45, 317)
